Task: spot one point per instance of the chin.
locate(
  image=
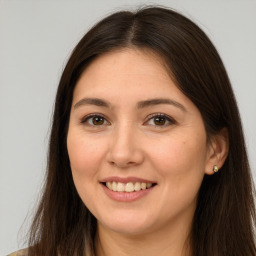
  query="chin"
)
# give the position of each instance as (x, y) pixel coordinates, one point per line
(127, 224)
(129, 230)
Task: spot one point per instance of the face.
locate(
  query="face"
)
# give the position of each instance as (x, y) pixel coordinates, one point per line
(137, 145)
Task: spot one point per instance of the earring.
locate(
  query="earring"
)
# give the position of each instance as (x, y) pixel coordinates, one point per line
(215, 169)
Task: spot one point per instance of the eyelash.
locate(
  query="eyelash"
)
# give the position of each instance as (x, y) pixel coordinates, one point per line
(90, 116)
(167, 118)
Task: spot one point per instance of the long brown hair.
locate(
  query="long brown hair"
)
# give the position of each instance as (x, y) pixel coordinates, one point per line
(225, 215)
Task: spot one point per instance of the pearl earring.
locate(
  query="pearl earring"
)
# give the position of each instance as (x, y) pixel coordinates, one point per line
(215, 169)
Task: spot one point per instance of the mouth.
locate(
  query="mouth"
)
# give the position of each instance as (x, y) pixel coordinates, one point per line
(128, 187)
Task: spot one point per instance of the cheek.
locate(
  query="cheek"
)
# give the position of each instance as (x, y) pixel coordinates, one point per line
(180, 161)
(180, 164)
(84, 155)
(180, 152)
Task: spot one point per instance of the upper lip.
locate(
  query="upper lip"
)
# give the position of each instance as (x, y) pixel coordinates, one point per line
(126, 179)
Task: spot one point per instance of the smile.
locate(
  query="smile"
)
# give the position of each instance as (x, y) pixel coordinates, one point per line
(127, 187)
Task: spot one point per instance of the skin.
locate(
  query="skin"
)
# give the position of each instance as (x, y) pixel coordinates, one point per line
(127, 142)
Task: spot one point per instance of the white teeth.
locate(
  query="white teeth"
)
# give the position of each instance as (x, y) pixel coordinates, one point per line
(143, 185)
(149, 185)
(137, 186)
(114, 186)
(109, 185)
(127, 187)
(120, 187)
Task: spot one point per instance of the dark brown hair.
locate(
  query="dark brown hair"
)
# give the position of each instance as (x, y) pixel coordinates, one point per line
(225, 215)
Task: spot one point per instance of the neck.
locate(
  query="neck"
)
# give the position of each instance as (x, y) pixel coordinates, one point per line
(164, 242)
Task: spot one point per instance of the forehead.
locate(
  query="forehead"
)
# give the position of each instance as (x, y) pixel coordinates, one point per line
(129, 61)
(125, 69)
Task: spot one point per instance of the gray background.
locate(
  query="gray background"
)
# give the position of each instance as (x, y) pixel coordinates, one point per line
(36, 38)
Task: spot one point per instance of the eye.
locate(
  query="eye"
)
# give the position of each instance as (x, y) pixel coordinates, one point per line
(160, 120)
(95, 120)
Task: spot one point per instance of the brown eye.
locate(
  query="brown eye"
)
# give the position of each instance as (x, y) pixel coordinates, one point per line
(98, 120)
(159, 120)
(95, 120)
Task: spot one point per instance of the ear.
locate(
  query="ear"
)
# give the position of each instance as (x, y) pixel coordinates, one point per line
(218, 151)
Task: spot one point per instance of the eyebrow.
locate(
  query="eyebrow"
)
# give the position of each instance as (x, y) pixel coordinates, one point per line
(141, 104)
(158, 101)
(92, 101)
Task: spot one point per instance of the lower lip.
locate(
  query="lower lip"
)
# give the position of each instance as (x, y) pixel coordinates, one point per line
(126, 196)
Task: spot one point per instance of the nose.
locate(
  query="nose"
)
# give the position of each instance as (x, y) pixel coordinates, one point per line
(125, 149)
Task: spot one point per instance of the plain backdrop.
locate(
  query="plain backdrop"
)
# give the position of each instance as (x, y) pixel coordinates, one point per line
(36, 38)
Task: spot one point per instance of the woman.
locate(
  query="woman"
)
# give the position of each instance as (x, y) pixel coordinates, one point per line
(146, 154)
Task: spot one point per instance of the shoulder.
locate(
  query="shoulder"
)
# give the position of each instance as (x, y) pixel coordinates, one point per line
(23, 252)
